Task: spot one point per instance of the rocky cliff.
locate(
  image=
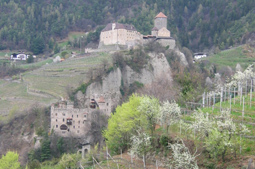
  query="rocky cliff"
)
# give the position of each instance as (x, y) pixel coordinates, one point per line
(111, 84)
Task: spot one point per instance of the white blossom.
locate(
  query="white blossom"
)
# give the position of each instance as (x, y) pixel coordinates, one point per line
(182, 158)
(169, 113)
(203, 124)
(140, 143)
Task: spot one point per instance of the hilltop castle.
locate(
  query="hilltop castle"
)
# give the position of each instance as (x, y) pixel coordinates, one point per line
(126, 35)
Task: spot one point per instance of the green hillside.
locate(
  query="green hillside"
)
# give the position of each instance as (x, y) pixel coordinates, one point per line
(37, 25)
(244, 55)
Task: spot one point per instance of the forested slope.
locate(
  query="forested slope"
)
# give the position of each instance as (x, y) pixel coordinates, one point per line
(198, 24)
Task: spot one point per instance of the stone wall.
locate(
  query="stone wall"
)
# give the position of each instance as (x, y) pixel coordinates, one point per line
(167, 42)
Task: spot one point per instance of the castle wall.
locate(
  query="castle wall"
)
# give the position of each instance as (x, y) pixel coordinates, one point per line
(119, 36)
(163, 32)
(167, 42)
(79, 121)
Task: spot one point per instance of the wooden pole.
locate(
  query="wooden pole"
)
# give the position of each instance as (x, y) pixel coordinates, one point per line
(213, 99)
(246, 88)
(250, 96)
(225, 94)
(230, 102)
(203, 100)
(107, 157)
(243, 110)
(234, 95)
(221, 95)
(241, 96)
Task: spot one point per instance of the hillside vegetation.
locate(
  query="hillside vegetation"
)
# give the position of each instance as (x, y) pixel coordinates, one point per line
(36, 25)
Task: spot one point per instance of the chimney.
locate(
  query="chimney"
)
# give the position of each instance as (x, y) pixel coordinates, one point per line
(113, 26)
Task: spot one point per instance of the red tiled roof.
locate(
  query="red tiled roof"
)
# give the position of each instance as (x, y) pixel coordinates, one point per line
(161, 15)
(154, 29)
(101, 100)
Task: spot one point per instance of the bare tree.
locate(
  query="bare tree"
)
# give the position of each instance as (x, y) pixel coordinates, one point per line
(98, 123)
(161, 88)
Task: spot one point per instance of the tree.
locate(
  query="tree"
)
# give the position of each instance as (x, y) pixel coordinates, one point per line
(37, 45)
(141, 144)
(182, 158)
(169, 113)
(123, 123)
(45, 152)
(10, 160)
(68, 161)
(149, 107)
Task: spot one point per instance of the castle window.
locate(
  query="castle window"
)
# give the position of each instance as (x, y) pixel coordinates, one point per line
(56, 126)
(64, 114)
(74, 127)
(77, 115)
(56, 120)
(56, 114)
(63, 120)
(72, 115)
(85, 115)
(78, 122)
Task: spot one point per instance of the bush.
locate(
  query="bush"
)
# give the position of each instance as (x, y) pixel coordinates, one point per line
(30, 59)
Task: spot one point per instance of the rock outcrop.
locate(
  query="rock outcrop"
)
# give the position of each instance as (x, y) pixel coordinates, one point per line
(111, 84)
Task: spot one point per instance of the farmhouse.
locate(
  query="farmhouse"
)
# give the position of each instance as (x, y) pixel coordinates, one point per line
(20, 56)
(199, 55)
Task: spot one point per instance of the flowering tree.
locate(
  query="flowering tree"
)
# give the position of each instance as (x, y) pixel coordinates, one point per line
(169, 113)
(182, 158)
(149, 107)
(202, 124)
(241, 77)
(224, 135)
(140, 144)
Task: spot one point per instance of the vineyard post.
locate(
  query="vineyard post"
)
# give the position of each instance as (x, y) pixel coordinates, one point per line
(234, 95)
(221, 95)
(246, 88)
(230, 101)
(225, 96)
(243, 110)
(203, 100)
(213, 99)
(250, 96)
(241, 96)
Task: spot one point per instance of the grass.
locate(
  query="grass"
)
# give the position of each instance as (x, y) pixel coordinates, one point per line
(51, 79)
(231, 57)
(236, 112)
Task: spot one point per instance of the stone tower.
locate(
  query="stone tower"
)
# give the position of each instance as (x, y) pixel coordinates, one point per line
(160, 21)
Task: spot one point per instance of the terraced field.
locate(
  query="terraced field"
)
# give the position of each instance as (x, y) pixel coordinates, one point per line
(47, 83)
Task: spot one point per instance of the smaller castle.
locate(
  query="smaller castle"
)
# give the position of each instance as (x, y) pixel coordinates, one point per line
(160, 33)
(67, 121)
(160, 26)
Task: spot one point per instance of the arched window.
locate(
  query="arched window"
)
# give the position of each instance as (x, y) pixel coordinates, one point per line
(63, 127)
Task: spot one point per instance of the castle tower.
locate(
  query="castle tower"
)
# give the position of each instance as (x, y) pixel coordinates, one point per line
(160, 21)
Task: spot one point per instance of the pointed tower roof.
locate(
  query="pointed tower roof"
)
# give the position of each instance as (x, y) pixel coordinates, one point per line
(161, 15)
